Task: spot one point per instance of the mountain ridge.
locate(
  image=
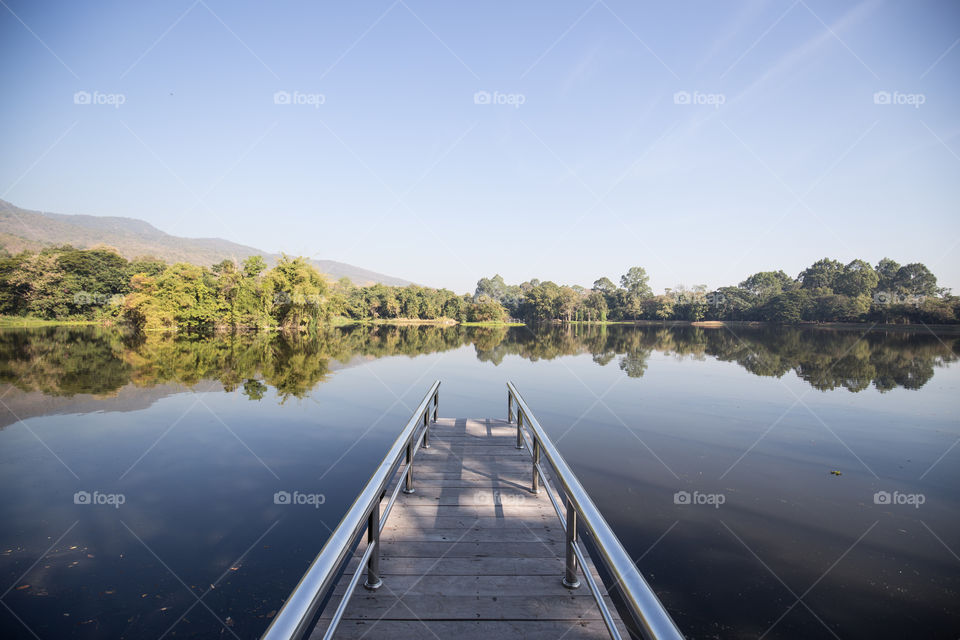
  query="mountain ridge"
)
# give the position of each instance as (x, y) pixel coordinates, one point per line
(22, 229)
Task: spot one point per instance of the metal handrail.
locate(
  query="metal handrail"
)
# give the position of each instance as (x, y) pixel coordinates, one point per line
(298, 613)
(648, 613)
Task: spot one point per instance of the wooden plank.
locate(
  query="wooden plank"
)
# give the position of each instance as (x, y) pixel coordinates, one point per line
(574, 605)
(476, 510)
(473, 629)
(468, 567)
(446, 549)
(444, 585)
(474, 534)
(405, 521)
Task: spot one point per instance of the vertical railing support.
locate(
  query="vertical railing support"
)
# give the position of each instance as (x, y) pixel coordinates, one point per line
(436, 405)
(373, 581)
(570, 579)
(408, 487)
(519, 428)
(536, 463)
(509, 407)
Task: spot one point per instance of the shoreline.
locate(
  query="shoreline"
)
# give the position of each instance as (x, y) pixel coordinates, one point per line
(13, 322)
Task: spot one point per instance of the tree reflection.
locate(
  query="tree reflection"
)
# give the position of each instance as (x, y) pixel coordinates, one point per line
(64, 361)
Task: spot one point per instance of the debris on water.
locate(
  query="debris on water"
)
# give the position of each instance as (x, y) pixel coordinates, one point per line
(272, 613)
(835, 473)
(22, 587)
(110, 592)
(89, 555)
(235, 568)
(143, 595)
(229, 621)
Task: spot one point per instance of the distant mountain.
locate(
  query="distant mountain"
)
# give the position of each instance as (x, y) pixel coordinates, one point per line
(24, 229)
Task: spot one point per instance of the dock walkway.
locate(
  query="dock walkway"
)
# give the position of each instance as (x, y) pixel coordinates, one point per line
(473, 553)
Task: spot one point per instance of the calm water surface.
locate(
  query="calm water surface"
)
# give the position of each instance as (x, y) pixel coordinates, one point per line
(195, 437)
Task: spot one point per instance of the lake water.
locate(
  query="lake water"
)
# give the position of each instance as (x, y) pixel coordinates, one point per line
(709, 451)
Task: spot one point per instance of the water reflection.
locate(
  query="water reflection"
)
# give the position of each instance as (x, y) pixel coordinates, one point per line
(64, 361)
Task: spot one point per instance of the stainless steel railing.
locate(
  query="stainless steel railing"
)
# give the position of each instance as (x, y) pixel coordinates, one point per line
(298, 613)
(649, 616)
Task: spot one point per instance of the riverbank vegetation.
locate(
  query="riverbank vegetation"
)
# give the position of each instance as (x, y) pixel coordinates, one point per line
(826, 291)
(98, 285)
(64, 283)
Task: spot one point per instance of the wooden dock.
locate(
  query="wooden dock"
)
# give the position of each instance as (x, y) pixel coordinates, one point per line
(473, 553)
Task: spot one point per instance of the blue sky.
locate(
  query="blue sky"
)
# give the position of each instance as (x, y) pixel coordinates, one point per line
(704, 141)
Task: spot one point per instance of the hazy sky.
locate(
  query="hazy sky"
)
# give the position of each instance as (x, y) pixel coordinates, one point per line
(584, 156)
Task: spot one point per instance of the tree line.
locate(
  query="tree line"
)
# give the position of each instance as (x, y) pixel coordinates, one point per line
(826, 291)
(65, 283)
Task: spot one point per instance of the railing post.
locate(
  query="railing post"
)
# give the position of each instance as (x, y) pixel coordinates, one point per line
(436, 405)
(509, 407)
(373, 581)
(536, 463)
(570, 579)
(519, 428)
(408, 487)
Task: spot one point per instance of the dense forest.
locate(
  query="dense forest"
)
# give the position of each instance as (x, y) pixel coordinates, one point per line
(64, 283)
(827, 291)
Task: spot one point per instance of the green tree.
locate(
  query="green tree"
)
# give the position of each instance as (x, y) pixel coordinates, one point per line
(857, 279)
(298, 291)
(915, 279)
(822, 274)
(766, 284)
